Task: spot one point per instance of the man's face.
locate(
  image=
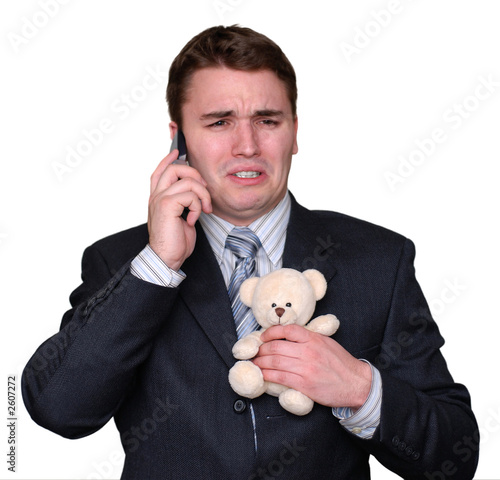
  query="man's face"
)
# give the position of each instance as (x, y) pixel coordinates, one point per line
(240, 135)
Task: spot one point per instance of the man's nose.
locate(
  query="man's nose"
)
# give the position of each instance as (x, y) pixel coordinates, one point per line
(245, 141)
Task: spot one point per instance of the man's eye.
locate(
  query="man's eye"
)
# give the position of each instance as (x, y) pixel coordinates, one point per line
(269, 122)
(219, 123)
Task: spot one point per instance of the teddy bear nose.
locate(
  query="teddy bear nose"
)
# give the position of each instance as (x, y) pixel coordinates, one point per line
(279, 311)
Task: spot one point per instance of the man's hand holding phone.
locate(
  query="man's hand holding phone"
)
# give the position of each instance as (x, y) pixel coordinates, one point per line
(175, 187)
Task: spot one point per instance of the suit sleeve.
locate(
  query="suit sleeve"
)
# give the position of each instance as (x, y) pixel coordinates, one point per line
(77, 379)
(427, 428)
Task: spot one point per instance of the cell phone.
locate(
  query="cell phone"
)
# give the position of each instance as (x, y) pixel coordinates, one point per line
(179, 142)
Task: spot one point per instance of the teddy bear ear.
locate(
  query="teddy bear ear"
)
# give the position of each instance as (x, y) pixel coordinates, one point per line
(317, 281)
(247, 289)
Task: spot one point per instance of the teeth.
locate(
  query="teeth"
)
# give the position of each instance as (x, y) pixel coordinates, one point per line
(246, 174)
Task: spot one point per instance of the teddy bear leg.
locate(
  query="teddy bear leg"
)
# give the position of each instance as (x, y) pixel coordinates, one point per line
(295, 402)
(246, 379)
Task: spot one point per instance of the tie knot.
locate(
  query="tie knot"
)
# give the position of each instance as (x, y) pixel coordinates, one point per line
(243, 242)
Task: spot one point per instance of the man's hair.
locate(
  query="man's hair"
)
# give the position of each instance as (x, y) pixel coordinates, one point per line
(233, 47)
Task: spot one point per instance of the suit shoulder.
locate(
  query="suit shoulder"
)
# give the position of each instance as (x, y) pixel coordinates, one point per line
(346, 222)
(122, 246)
(361, 235)
(361, 241)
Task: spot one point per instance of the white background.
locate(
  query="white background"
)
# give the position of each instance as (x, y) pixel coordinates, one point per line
(365, 101)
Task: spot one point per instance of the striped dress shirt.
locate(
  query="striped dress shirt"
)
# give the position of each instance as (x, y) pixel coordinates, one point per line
(271, 230)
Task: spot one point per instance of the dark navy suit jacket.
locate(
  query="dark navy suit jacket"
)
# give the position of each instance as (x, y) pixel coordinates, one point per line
(157, 359)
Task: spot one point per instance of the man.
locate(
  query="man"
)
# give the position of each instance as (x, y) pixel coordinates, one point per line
(148, 340)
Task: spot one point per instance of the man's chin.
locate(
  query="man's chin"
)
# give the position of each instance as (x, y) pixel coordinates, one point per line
(244, 209)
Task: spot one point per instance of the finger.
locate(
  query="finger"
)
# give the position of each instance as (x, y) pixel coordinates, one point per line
(283, 377)
(287, 361)
(292, 333)
(189, 184)
(281, 348)
(173, 174)
(176, 203)
(167, 172)
(166, 161)
(195, 208)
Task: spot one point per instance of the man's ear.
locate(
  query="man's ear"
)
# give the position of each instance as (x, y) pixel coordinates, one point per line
(173, 127)
(295, 144)
(247, 290)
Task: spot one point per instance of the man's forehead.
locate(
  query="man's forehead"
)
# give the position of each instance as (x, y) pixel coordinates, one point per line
(220, 91)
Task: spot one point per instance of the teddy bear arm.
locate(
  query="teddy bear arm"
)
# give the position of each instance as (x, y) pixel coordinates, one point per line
(247, 347)
(324, 324)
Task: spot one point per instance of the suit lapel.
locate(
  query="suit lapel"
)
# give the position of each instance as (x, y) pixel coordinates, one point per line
(205, 294)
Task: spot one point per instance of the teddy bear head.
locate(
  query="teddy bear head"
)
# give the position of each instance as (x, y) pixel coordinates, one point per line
(283, 297)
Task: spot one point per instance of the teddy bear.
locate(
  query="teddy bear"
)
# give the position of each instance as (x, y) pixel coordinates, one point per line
(282, 297)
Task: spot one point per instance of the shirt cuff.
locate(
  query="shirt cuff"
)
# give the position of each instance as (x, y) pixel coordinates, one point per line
(150, 267)
(365, 421)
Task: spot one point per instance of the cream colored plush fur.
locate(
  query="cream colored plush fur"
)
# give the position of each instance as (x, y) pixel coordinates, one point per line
(285, 297)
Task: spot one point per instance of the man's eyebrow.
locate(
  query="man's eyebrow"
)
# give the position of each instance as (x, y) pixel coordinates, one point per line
(217, 114)
(268, 113)
(228, 113)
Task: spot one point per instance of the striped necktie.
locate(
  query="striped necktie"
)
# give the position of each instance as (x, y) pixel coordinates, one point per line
(244, 244)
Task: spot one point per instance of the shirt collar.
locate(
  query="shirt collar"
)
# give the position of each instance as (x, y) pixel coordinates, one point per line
(270, 228)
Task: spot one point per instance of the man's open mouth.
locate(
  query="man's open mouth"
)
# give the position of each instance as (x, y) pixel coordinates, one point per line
(246, 174)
